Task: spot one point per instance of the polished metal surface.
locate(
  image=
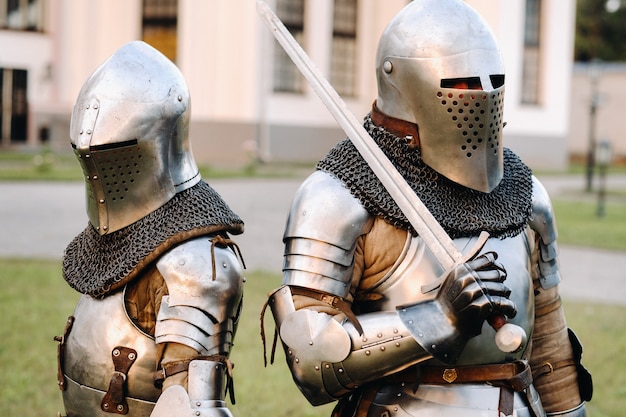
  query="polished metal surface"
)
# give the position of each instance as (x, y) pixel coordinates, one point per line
(425, 57)
(129, 130)
(201, 310)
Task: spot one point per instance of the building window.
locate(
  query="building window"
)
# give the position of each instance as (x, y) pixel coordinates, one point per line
(531, 70)
(21, 15)
(159, 23)
(13, 106)
(286, 76)
(343, 62)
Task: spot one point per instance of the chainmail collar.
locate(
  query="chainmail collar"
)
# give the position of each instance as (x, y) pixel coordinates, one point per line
(461, 211)
(97, 265)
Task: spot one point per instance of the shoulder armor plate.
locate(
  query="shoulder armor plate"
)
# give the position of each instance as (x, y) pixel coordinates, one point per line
(542, 221)
(201, 309)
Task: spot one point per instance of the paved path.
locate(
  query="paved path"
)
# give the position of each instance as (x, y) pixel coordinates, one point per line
(40, 219)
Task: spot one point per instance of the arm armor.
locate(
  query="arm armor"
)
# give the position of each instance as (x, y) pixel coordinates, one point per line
(329, 358)
(558, 374)
(205, 285)
(542, 221)
(204, 396)
(327, 354)
(322, 229)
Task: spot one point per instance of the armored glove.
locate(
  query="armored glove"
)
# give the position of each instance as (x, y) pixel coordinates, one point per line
(470, 293)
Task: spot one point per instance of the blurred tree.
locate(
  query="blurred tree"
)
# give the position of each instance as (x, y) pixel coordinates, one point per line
(600, 30)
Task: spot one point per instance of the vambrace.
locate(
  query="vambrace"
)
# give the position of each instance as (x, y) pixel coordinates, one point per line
(203, 397)
(205, 285)
(558, 375)
(329, 358)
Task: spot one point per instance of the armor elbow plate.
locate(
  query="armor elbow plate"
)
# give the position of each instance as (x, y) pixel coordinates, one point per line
(542, 221)
(324, 224)
(205, 294)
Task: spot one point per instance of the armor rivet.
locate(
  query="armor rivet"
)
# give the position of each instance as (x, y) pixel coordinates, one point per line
(120, 407)
(382, 348)
(95, 177)
(116, 352)
(224, 265)
(395, 409)
(81, 132)
(317, 368)
(180, 98)
(327, 366)
(131, 356)
(290, 352)
(95, 106)
(310, 343)
(387, 67)
(397, 344)
(434, 346)
(194, 364)
(379, 335)
(395, 330)
(410, 321)
(297, 360)
(198, 403)
(304, 213)
(87, 156)
(105, 405)
(105, 227)
(341, 370)
(420, 334)
(197, 413)
(181, 262)
(87, 106)
(101, 201)
(89, 132)
(367, 352)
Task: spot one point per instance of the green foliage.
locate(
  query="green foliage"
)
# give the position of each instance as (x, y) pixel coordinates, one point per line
(35, 301)
(599, 34)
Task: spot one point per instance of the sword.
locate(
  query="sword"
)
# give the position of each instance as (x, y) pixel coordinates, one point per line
(424, 223)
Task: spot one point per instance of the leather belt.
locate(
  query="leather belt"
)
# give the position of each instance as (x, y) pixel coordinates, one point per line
(516, 375)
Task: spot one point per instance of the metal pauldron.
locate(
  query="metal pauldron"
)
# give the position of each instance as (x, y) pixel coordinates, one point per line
(543, 223)
(202, 309)
(322, 229)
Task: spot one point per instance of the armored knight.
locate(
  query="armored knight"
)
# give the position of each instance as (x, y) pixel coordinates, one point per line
(161, 278)
(356, 314)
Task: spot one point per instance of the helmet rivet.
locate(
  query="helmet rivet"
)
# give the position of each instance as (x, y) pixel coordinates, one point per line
(180, 98)
(81, 131)
(89, 132)
(101, 201)
(95, 106)
(387, 67)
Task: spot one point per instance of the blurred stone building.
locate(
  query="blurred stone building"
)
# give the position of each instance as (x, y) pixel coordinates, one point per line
(249, 102)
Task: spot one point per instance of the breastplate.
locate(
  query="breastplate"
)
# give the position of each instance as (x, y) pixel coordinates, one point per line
(100, 326)
(417, 267)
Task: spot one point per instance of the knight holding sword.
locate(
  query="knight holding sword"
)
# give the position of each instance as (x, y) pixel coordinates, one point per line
(373, 318)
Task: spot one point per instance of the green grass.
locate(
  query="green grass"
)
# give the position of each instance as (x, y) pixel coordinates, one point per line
(35, 301)
(50, 166)
(579, 224)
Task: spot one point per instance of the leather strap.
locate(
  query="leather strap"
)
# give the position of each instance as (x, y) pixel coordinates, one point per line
(516, 375)
(114, 400)
(332, 300)
(398, 127)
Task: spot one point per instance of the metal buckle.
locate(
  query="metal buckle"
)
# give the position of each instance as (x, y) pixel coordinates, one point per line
(449, 375)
